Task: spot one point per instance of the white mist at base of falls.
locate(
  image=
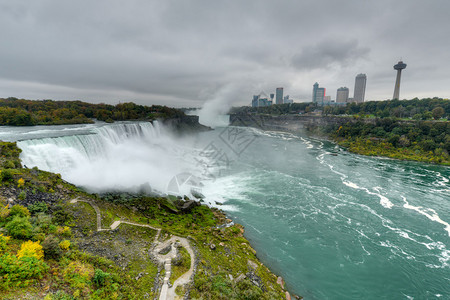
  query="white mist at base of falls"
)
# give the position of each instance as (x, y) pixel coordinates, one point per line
(121, 156)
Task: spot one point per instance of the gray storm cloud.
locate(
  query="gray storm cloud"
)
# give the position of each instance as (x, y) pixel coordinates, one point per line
(328, 53)
(180, 53)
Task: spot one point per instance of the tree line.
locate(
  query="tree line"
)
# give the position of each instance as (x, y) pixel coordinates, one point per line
(417, 109)
(427, 141)
(21, 112)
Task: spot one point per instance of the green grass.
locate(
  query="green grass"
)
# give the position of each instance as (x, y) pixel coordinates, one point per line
(182, 267)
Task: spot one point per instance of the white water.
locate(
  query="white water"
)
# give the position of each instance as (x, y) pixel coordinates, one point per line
(121, 156)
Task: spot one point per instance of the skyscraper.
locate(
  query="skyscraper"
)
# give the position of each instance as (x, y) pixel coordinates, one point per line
(315, 87)
(360, 88)
(342, 94)
(279, 95)
(399, 67)
(318, 94)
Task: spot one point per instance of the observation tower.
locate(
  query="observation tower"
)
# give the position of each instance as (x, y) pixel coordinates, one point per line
(399, 67)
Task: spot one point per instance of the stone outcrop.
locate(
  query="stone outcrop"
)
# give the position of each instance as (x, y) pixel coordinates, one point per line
(185, 124)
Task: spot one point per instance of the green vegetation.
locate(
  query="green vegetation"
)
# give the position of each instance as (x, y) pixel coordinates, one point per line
(426, 141)
(50, 248)
(276, 109)
(181, 264)
(21, 112)
(416, 109)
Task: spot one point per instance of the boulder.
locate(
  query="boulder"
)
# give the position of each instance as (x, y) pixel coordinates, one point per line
(252, 265)
(240, 277)
(280, 282)
(189, 205)
(288, 296)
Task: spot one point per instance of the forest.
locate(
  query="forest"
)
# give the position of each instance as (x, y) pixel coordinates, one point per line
(21, 112)
(416, 109)
(427, 141)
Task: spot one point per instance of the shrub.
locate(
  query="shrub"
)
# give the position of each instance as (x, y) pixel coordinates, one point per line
(59, 295)
(6, 175)
(22, 195)
(38, 207)
(19, 210)
(19, 227)
(40, 236)
(4, 212)
(30, 249)
(3, 242)
(65, 231)
(60, 216)
(100, 277)
(9, 164)
(51, 248)
(78, 274)
(20, 272)
(64, 244)
(20, 182)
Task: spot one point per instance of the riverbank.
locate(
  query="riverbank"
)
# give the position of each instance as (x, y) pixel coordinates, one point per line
(423, 141)
(69, 256)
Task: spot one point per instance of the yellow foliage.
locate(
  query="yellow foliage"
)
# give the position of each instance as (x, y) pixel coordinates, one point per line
(4, 212)
(31, 249)
(64, 244)
(20, 182)
(3, 241)
(66, 231)
(78, 274)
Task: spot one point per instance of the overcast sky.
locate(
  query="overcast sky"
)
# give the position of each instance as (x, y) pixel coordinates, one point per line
(183, 53)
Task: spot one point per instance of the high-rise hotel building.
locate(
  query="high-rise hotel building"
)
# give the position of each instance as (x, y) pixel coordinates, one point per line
(342, 95)
(279, 95)
(318, 94)
(360, 88)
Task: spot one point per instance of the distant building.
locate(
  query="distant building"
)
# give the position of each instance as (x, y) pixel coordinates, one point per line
(360, 88)
(318, 94)
(327, 99)
(261, 100)
(279, 95)
(342, 94)
(287, 100)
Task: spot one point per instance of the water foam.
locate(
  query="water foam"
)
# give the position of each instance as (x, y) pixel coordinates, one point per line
(427, 212)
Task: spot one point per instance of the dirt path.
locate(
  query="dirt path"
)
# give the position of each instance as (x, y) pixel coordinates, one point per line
(167, 293)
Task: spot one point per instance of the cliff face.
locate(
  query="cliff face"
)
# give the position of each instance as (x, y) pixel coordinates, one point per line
(291, 123)
(185, 124)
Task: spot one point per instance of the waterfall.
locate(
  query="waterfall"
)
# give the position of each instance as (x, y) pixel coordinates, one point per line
(119, 156)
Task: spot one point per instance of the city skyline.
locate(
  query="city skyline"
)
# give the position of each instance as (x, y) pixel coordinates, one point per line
(184, 54)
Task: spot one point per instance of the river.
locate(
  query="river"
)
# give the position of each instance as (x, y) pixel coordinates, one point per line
(333, 224)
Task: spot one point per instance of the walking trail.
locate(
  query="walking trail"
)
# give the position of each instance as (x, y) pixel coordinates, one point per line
(167, 292)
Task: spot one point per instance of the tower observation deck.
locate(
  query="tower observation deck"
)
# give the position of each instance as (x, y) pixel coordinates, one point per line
(399, 67)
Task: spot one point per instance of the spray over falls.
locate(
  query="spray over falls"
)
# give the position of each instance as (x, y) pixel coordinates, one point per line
(120, 156)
